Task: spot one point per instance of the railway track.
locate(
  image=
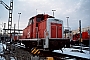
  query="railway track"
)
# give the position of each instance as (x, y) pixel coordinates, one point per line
(61, 56)
(56, 55)
(45, 54)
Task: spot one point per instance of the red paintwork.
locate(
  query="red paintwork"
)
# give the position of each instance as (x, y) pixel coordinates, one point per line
(38, 27)
(31, 30)
(85, 36)
(76, 37)
(41, 29)
(84, 39)
(16, 37)
(53, 31)
(56, 30)
(25, 33)
(59, 31)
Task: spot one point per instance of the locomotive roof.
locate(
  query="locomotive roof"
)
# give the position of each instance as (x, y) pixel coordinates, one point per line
(40, 15)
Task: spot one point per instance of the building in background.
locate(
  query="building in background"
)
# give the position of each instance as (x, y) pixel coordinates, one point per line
(83, 30)
(84, 36)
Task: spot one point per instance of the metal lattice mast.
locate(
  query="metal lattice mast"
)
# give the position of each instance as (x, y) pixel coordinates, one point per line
(10, 8)
(10, 15)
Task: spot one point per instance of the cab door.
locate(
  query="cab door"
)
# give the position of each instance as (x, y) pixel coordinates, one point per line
(53, 31)
(59, 31)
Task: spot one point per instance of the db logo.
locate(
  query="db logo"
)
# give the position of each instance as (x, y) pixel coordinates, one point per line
(47, 33)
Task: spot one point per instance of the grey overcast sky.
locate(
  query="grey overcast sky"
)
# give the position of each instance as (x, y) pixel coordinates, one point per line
(75, 9)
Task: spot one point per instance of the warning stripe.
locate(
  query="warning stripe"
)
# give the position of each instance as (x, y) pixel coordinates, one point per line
(35, 51)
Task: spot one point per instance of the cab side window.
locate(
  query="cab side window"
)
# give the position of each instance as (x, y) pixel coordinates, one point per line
(38, 19)
(30, 22)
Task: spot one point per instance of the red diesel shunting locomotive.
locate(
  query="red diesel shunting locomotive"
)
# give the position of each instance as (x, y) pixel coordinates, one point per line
(85, 38)
(44, 32)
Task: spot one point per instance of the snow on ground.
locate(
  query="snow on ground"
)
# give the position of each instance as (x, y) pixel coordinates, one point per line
(71, 51)
(2, 58)
(1, 48)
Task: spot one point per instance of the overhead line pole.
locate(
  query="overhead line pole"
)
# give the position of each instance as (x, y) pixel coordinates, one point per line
(10, 8)
(80, 36)
(89, 39)
(68, 27)
(18, 24)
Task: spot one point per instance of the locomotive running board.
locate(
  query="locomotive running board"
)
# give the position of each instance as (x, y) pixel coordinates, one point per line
(29, 39)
